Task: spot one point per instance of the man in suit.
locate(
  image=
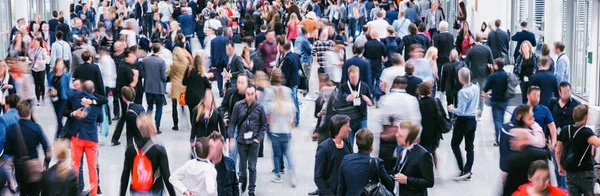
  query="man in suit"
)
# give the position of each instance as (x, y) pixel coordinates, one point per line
(498, 40)
(235, 66)
(330, 155)
(66, 36)
(444, 42)
(133, 112)
(414, 168)
(52, 23)
(260, 37)
(155, 82)
(90, 71)
(141, 7)
(433, 17)
(361, 63)
(521, 36)
(124, 78)
(194, 7)
(290, 66)
(218, 56)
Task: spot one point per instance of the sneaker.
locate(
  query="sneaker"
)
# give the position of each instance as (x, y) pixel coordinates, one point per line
(293, 181)
(276, 179)
(496, 144)
(158, 132)
(464, 176)
(116, 118)
(175, 128)
(116, 143)
(468, 176)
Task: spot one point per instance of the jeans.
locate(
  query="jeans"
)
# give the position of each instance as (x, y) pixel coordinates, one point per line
(157, 99)
(296, 103)
(248, 158)
(280, 143)
(376, 73)
(233, 153)
(355, 127)
(581, 182)
(59, 107)
(38, 79)
(90, 148)
(464, 128)
(480, 83)
(498, 109)
(353, 29)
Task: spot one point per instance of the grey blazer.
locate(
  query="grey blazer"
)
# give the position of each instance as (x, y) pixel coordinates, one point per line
(156, 74)
(432, 20)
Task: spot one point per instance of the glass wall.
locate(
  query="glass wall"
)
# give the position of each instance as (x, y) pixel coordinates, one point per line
(577, 21)
(5, 27)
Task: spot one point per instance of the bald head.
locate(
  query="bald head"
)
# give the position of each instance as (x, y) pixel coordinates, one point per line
(88, 86)
(453, 55)
(374, 34)
(464, 76)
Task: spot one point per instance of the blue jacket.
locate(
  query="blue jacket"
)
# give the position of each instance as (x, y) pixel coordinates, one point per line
(64, 84)
(289, 69)
(85, 128)
(497, 82)
(228, 186)
(186, 21)
(521, 36)
(304, 49)
(364, 67)
(194, 6)
(547, 82)
(33, 136)
(218, 55)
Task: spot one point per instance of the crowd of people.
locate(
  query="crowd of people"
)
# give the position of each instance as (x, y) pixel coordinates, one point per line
(404, 61)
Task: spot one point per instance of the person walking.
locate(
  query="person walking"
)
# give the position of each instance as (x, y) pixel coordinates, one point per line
(522, 36)
(59, 179)
(90, 71)
(562, 108)
(197, 176)
(155, 82)
(431, 119)
(450, 84)
(433, 17)
(414, 162)
(375, 52)
(518, 162)
(227, 178)
(109, 74)
(465, 124)
(444, 42)
(181, 62)
(125, 77)
(544, 78)
(281, 112)
(498, 41)
(479, 60)
(497, 82)
(412, 39)
(218, 57)
(290, 68)
(330, 155)
(525, 66)
(59, 86)
(352, 99)
(563, 65)
(206, 119)
(39, 58)
(389, 74)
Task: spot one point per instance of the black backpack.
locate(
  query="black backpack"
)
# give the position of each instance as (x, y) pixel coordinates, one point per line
(570, 160)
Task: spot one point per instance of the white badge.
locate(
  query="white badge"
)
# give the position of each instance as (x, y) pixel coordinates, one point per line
(357, 101)
(526, 79)
(248, 135)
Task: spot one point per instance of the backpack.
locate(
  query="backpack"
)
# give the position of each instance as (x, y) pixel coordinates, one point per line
(142, 176)
(512, 81)
(569, 159)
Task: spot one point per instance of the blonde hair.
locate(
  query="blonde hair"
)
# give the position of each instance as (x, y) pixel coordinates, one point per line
(261, 79)
(175, 26)
(293, 17)
(60, 149)
(281, 104)
(432, 51)
(200, 107)
(146, 125)
(527, 44)
(199, 56)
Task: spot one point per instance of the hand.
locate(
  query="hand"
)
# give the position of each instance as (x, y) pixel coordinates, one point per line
(86, 101)
(231, 144)
(257, 141)
(225, 121)
(8, 86)
(187, 193)
(365, 98)
(551, 145)
(315, 136)
(78, 113)
(562, 171)
(400, 178)
(350, 97)
(210, 75)
(321, 113)
(450, 107)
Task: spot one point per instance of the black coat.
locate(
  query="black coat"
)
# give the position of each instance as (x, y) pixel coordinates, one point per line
(196, 86)
(91, 72)
(429, 133)
(449, 80)
(418, 167)
(53, 185)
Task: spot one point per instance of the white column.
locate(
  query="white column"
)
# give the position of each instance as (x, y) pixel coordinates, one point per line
(21, 10)
(553, 18)
(594, 44)
(487, 11)
(63, 5)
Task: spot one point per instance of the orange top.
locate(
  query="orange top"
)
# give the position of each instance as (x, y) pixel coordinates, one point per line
(310, 26)
(552, 191)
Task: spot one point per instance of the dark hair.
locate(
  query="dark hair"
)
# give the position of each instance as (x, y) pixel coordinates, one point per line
(201, 147)
(533, 88)
(537, 165)
(357, 49)
(133, 48)
(545, 50)
(498, 23)
(263, 27)
(303, 30)
(12, 100)
(364, 140)
(580, 112)
(127, 53)
(128, 93)
(248, 39)
(287, 46)
(216, 136)
(86, 56)
(61, 20)
(54, 14)
(424, 88)
(400, 82)
(336, 122)
(277, 78)
(24, 108)
(544, 61)
(179, 37)
(521, 111)
(564, 84)
(422, 27)
(365, 28)
(156, 47)
(499, 62)
(230, 43)
(414, 47)
(524, 24)
(59, 35)
(560, 46)
(412, 28)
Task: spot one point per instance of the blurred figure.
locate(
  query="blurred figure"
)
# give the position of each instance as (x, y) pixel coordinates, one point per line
(414, 162)
(539, 182)
(60, 179)
(197, 176)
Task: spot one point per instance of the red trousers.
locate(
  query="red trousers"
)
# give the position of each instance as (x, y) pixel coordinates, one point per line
(90, 148)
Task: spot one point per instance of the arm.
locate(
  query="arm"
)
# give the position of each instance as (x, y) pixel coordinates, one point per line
(426, 167)
(552, 128)
(134, 81)
(515, 37)
(164, 170)
(488, 86)
(263, 124)
(163, 71)
(232, 123)
(100, 81)
(385, 178)
(320, 166)
(177, 177)
(186, 76)
(211, 182)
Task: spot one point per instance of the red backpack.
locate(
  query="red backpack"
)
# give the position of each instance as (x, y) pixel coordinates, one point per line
(142, 175)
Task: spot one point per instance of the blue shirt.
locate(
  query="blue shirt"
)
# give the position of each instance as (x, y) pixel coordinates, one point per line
(542, 116)
(11, 117)
(303, 48)
(468, 99)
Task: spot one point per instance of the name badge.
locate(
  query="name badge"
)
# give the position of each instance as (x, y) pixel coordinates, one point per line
(248, 135)
(357, 101)
(526, 79)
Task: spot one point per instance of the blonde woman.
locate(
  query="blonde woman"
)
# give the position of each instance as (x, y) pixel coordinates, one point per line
(292, 27)
(525, 66)
(196, 81)
(174, 31)
(60, 179)
(432, 56)
(7, 84)
(281, 117)
(181, 60)
(206, 119)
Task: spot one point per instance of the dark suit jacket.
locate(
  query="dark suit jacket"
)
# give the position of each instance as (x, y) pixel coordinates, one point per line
(85, 128)
(413, 83)
(91, 72)
(498, 41)
(444, 42)
(260, 38)
(218, 55)
(418, 167)
(66, 31)
(133, 111)
(187, 24)
(194, 6)
(521, 36)
(362, 64)
(236, 66)
(354, 174)
(290, 68)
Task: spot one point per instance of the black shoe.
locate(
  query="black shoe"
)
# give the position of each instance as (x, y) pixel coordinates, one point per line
(116, 118)
(116, 143)
(175, 128)
(158, 132)
(244, 184)
(495, 143)
(261, 155)
(109, 122)
(314, 192)
(99, 192)
(251, 194)
(221, 94)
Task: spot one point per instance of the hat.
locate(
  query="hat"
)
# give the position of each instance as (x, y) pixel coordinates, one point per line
(311, 15)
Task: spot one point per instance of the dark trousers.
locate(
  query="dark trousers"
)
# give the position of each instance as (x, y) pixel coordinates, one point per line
(219, 80)
(26, 189)
(121, 123)
(175, 113)
(498, 109)
(248, 158)
(352, 27)
(114, 102)
(157, 99)
(524, 87)
(581, 182)
(38, 79)
(386, 153)
(433, 32)
(464, 128)
(59, 107)
(116, 97)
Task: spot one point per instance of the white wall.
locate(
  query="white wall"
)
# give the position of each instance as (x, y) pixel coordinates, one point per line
(488, 11)
(553, 21)
(20, 10)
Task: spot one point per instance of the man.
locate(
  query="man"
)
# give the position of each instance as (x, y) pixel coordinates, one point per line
(465, 125)
(20, 24)
(166, 9)
(225, 166)
(232, 96)
(498, 41)
(193, 5)
(562, 108)
(449, 82)
(261, 36)
(362, 38)
(519, 161)
(212, 24)
(389, 74)
(330, 155)
(352, 9)
(379, 25)
(235, 64)
(411, 39)
(412, 80)
(444, 42)
(362, 64)
(290, 66)
(90, 71)
(479, 60)
(304, 49)
(497, 83)
(125, 77)
(60, 50)
(396, 98)
(581, 139)
(334, 61)
(433, 17)
(400, 25)
(545, 80)
(249, 135)
(414, 168)
(133, 111)
(521, 36)
(353, 97)
(208, 10)
(375, 52)
(78, 50)
(155, 82)
(218, 57)
(268, 50)
(412, 10)
(186, 21)
(563, 65)
(319, 50)
(66, 36)
(28, 134)
(52, 23)
(79, 31)
(391, 14)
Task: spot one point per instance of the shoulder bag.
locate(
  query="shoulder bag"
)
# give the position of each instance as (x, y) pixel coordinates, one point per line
(444, 124)
(32, 168)
(374, 186)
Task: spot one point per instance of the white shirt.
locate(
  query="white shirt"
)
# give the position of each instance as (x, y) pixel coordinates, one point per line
(332, 66)
(197, 177)
(380, 25)
(109, 71)
(25, 87)
(400, 99)
(389, 74)
(131, 37)
(166, 10)
(213, 24)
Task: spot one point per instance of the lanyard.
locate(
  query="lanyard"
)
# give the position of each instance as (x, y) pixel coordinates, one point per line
(357, 90)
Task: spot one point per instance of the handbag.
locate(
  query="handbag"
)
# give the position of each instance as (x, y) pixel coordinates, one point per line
(374, 186)
(444, 125)
(456, 25)
(32, 168)
(303, 80)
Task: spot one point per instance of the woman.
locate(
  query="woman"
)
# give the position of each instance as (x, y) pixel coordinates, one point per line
(25, 85)
(160, 33)
(39, 58)
(248, 64)
(430, 136)
(59, 86)
(464, 40)
(60, 179)
(175, 30)
(462, 13)
(248, 25)
(525, 66)
(292, 27)
(539, 182)
(17, 47)
(276, 25)
(280, 114)
(181, 60)
(196, 81)
(432, 56)
(206, 119)
(46, 34)
(7, 84)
